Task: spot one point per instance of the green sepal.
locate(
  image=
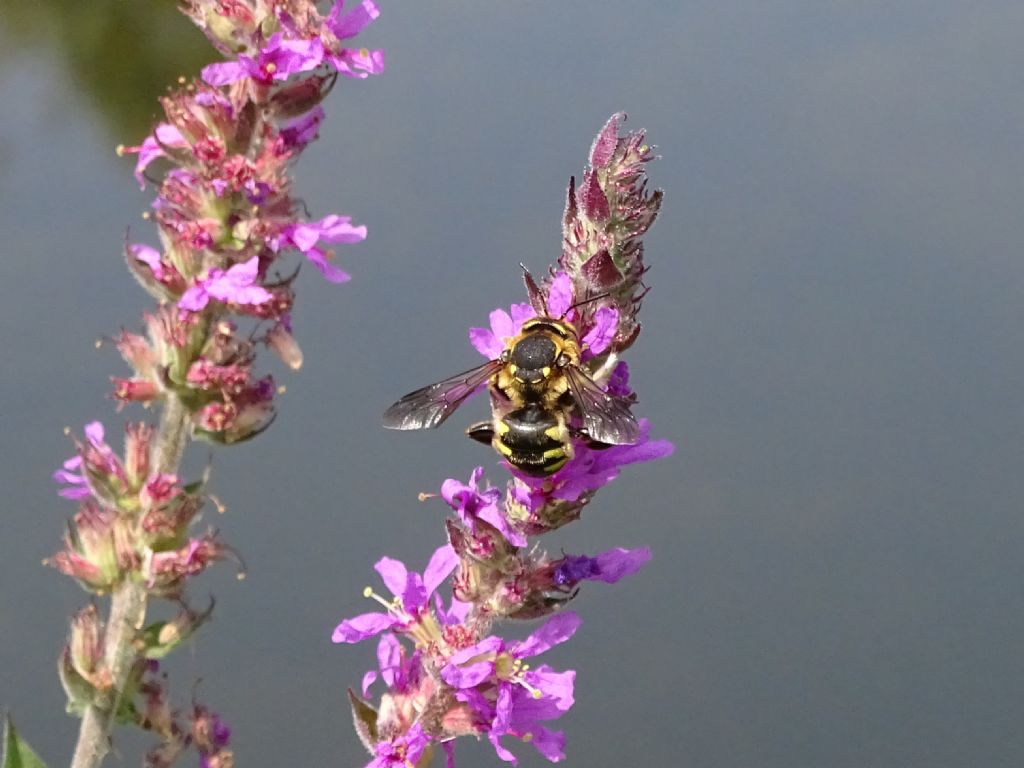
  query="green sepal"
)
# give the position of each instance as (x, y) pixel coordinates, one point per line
(162, 637)
(80, 691)
(364, 717)
(229, 437)
(17, 754)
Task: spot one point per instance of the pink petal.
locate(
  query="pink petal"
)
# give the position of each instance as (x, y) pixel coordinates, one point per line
(501, 325)
(94, 432)
(361, 627)
(223, 72)
(560, 295)
(332, 273)
(440, 566)
(194, 299)
(368, 680)
(556, 630)
(486, 343)
(338, 229)
(599, 337)
(354, 22)
(394, 574)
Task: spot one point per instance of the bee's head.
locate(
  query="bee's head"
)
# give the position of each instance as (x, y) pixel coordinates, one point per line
(533, 357)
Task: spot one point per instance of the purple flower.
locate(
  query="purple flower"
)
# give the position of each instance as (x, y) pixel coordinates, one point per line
(235, 285)
(76, 486)
(605, 322)
(608, 567)
(302, 130)
(348, 61)
(72, 471)
(618, 381)
(560, 296)
(278, 60)
(411, 591)
(399, 673)
(592, 468)
(493, 661)
(471, 505)
(491, 342)
(602, 332)
(401, 751)
(305, 236)
(518, 714)
(152, 147)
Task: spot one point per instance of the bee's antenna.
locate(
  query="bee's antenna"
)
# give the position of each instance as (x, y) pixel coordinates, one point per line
(604, 295)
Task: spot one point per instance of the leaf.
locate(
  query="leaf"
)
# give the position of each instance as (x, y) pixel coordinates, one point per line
(364, 717)
(17, 754)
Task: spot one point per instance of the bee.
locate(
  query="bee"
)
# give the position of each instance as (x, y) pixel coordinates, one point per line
(537, 383)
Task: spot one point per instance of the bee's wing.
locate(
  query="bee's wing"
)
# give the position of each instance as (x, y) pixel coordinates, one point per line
(606, 418)
(427, 407)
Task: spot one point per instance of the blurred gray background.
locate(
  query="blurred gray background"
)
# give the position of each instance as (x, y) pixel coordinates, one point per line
(831, 340)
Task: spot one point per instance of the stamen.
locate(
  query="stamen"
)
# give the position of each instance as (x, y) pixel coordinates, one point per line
(393, 606)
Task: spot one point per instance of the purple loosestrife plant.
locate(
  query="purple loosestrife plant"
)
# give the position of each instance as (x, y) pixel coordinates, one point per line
(445, 671)
(231, 234)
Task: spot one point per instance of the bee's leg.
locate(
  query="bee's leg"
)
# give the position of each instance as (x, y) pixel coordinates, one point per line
(578, 433)
(482, 432)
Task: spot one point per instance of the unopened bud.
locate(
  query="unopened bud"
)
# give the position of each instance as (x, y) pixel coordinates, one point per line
(86, 642)
(281, 341)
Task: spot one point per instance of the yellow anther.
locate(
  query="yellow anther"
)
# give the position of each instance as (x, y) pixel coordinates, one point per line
(365, 53)
(527, 737)
(271, 68)
(240, 577)
(367, 591)
(119, 149)
(282, 389)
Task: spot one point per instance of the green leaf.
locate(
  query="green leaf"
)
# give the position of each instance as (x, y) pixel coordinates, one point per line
(364, 717)
(17, 754)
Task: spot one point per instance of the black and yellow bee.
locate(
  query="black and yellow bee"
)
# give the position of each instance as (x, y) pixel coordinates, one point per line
(537, 382)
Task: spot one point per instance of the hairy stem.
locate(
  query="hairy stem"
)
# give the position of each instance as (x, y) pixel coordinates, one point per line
(127, 611)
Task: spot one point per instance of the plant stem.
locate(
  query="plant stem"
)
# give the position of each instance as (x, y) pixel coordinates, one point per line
(127, 610)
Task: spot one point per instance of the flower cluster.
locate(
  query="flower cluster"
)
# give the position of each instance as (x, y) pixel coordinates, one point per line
(232, 238)
(134, 523)
(453, 676)
(202, 729)
(226, 215)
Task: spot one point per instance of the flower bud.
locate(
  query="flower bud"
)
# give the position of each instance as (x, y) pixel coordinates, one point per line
(86, 647)
(90, 554)
(299, 97)
(161, 638)
(281, 341)
(78, 690)
(138, 438)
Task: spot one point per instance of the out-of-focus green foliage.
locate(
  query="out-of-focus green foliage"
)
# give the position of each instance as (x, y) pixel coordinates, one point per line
(120, 54)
